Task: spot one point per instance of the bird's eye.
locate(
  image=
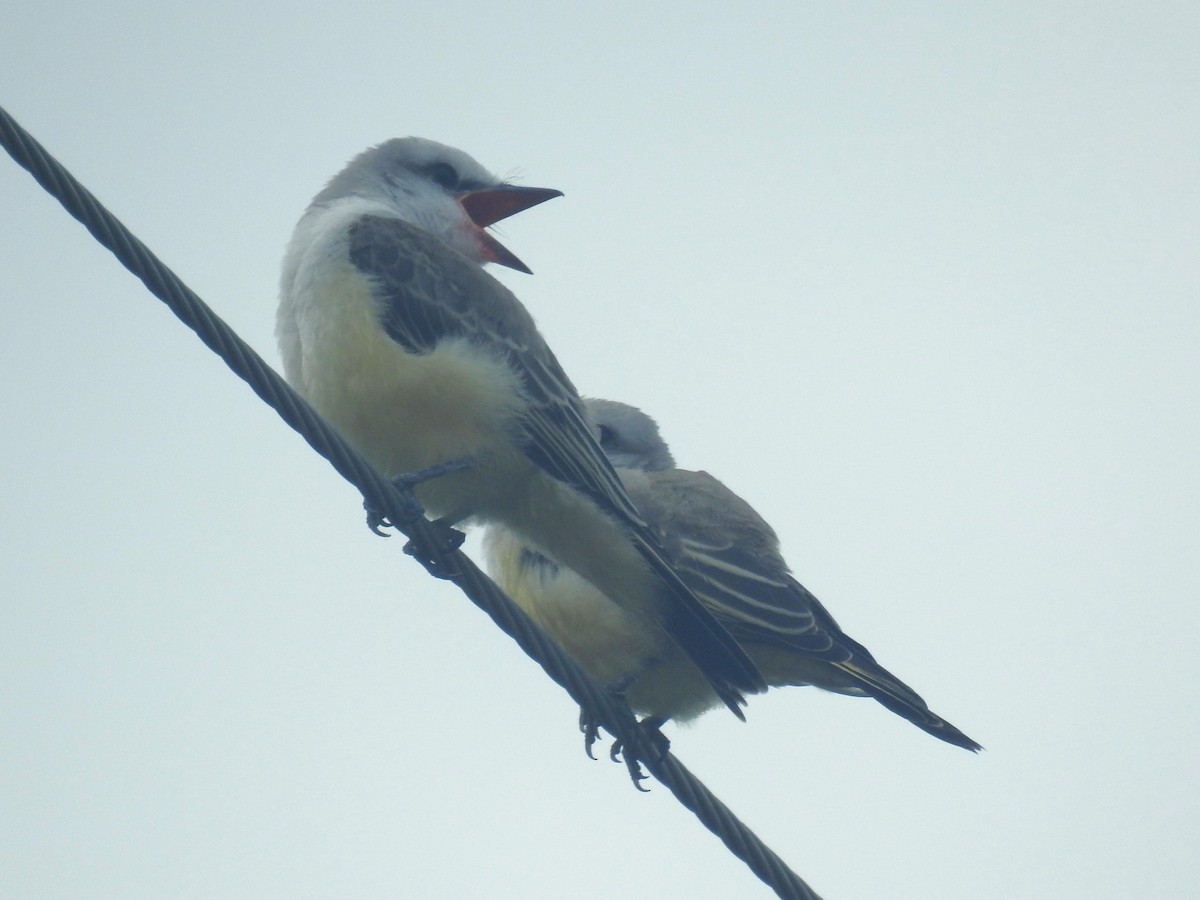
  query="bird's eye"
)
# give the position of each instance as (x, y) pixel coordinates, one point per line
(444, 174)
(607, 437)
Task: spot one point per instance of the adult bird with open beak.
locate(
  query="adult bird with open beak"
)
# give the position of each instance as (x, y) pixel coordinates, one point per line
(391, 329)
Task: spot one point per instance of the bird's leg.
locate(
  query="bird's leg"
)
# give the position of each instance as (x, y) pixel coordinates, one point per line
(377, 520)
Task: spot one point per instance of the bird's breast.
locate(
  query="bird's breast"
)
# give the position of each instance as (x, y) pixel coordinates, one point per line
(405, 411)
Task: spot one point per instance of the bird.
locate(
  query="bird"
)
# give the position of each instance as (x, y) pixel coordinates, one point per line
(390, 328)
(730, 557)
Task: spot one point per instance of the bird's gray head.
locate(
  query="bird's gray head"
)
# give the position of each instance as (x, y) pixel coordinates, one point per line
(628, 436)
(439, 189)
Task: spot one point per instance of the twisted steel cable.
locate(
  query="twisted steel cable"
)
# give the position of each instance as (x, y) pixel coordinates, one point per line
(428, 542)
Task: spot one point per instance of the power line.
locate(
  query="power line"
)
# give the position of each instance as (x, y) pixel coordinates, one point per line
(432, 545)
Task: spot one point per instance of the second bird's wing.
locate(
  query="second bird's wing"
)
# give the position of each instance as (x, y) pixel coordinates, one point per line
(729, 557)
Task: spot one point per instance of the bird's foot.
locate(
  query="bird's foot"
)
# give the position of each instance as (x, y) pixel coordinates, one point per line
(656, 743)
(589, 724)
(406, 484)
(449, 537)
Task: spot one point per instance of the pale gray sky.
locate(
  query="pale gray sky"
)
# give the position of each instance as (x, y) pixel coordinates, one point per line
(919, 281)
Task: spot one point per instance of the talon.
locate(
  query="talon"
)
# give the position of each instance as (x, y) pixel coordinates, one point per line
(632, 764)
(590, 729)
(657, 745)
(376, 521)
(650, 726)
(637, 776)
(614, 752)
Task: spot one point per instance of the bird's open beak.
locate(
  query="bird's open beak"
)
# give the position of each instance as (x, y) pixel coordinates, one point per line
(488, 206)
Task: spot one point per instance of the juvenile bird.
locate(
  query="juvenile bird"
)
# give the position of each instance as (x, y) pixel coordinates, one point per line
(730, 558)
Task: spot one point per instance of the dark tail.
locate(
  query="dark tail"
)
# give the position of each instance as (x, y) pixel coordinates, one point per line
(893, 693)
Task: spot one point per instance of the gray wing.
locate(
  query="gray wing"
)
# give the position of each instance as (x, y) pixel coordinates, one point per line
(729, 556)
(432, 293)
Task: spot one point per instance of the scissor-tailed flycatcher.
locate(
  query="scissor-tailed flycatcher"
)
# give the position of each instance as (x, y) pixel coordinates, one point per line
(391, 329)
(730, 558)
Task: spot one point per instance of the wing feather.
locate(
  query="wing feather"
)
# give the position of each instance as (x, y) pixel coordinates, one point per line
(729, 556)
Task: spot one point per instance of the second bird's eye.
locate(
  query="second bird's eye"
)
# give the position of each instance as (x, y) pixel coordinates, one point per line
(607, 437)
(444, 174)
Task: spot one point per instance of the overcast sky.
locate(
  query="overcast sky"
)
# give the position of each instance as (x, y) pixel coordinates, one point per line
(920, 281)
